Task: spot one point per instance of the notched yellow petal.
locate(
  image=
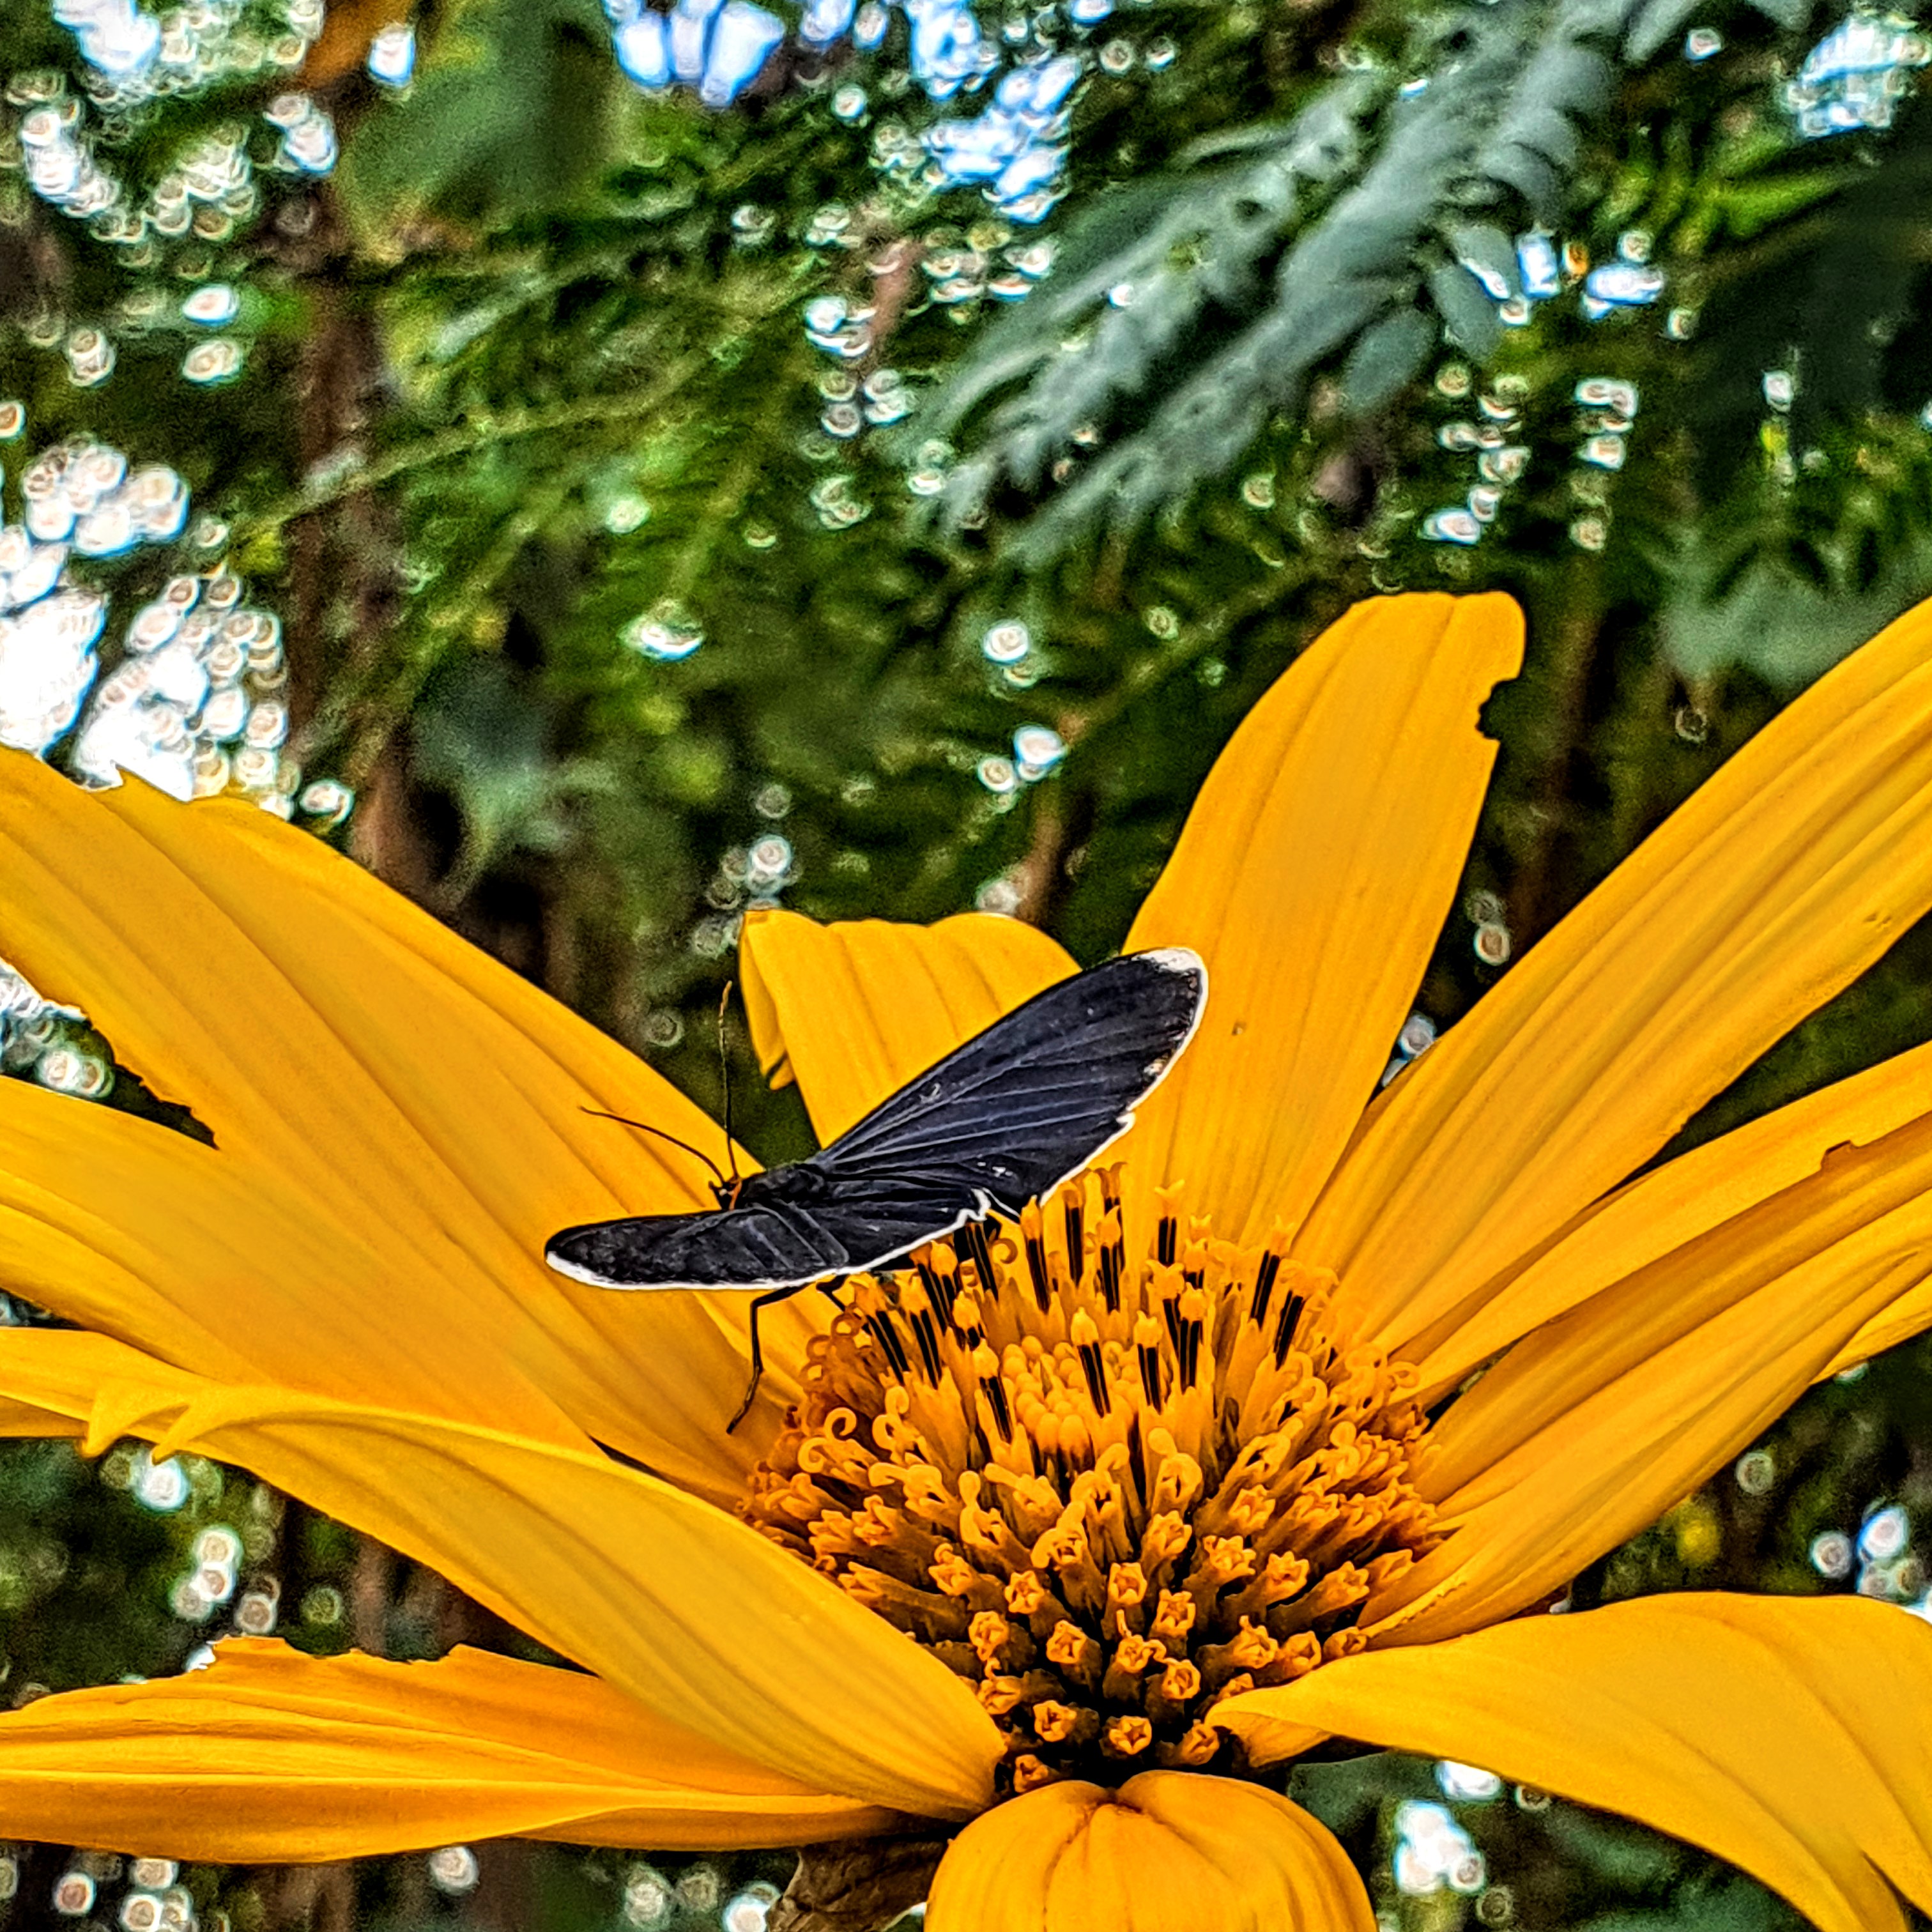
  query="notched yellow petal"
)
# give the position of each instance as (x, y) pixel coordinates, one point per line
(1783, 877)
(270, 1756)
(707, 1624)
(1313, 876)
(441, 1136)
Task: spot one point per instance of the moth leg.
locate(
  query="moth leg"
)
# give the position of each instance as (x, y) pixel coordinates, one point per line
(757, 1353)
(829, 1289)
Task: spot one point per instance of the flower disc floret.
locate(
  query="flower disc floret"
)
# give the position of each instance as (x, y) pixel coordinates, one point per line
(1108, 1493)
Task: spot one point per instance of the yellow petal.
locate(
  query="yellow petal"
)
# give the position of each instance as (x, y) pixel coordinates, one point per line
(1168, 1849)
(1903, 1317)
(46, 1391)
(198, 1257)
(245, 967)
(685, 1608)
(996, 1875)
(114, 1222)
(852, 1011)
(269, 1756)
(193, 1255)
(1677, 1202)
(426, 1104)
(1784, 877)
(1313, 877)
(1594, 1425)
(1786, 1736)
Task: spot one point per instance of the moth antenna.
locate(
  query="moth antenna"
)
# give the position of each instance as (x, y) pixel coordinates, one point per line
(698, 1154)
(724, 1075)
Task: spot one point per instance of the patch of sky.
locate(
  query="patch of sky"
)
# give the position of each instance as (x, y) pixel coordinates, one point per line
(1855, 76)
(1888, 1567)
(392, 55)
(1620, 285)
(1037, 749)
(1500, 462)
(61, 167)
(1016, 147)
(1539, 265)
(1544, 266)
(1452, 526)
(825, 21)
(1433, 1852)
(78, 499)
(114, 36)
(196, 702)
(1417, 1037)
(716, 47)
(308, 144)
(212, 305)
(135, 54)
(1006, 643)
(1014, 150)
(1832, 1554)
(1464, 1784)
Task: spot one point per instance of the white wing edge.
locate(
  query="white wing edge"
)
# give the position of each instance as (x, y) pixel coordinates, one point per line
(1176, 959)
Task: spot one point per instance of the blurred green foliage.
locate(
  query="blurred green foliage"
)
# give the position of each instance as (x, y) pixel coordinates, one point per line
(620, 604)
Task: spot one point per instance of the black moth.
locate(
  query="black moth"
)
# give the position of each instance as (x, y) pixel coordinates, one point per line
(1003, 1119)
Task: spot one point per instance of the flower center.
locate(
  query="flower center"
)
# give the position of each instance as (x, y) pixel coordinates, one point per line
(1107, 1492)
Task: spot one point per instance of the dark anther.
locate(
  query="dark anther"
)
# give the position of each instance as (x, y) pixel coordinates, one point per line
(1284, 1333)
(926, 1332)
(971, 1244)
(1150, 1359)
(1093, 1368)
(939, 1284)
(1264, 1279)
(996, 1400)
(885, 1331)
(1043, 1282)
(1170, 1309)
(1188, 1349)
(1112, 1266)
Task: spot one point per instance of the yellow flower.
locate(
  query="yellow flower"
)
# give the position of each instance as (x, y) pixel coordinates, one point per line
(1100, 1520)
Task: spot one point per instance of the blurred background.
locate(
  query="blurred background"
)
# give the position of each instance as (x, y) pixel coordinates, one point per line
(608, 468)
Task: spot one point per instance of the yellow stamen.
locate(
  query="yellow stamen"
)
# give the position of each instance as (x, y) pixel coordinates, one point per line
(1107, 1494)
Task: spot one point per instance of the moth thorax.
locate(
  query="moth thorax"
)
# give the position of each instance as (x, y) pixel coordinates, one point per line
(1107, 1489)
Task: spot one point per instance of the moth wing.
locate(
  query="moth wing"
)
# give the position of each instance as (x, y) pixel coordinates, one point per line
(733, 1247)
(1030, 1101)
(1020, 1108)
(880, 1218)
